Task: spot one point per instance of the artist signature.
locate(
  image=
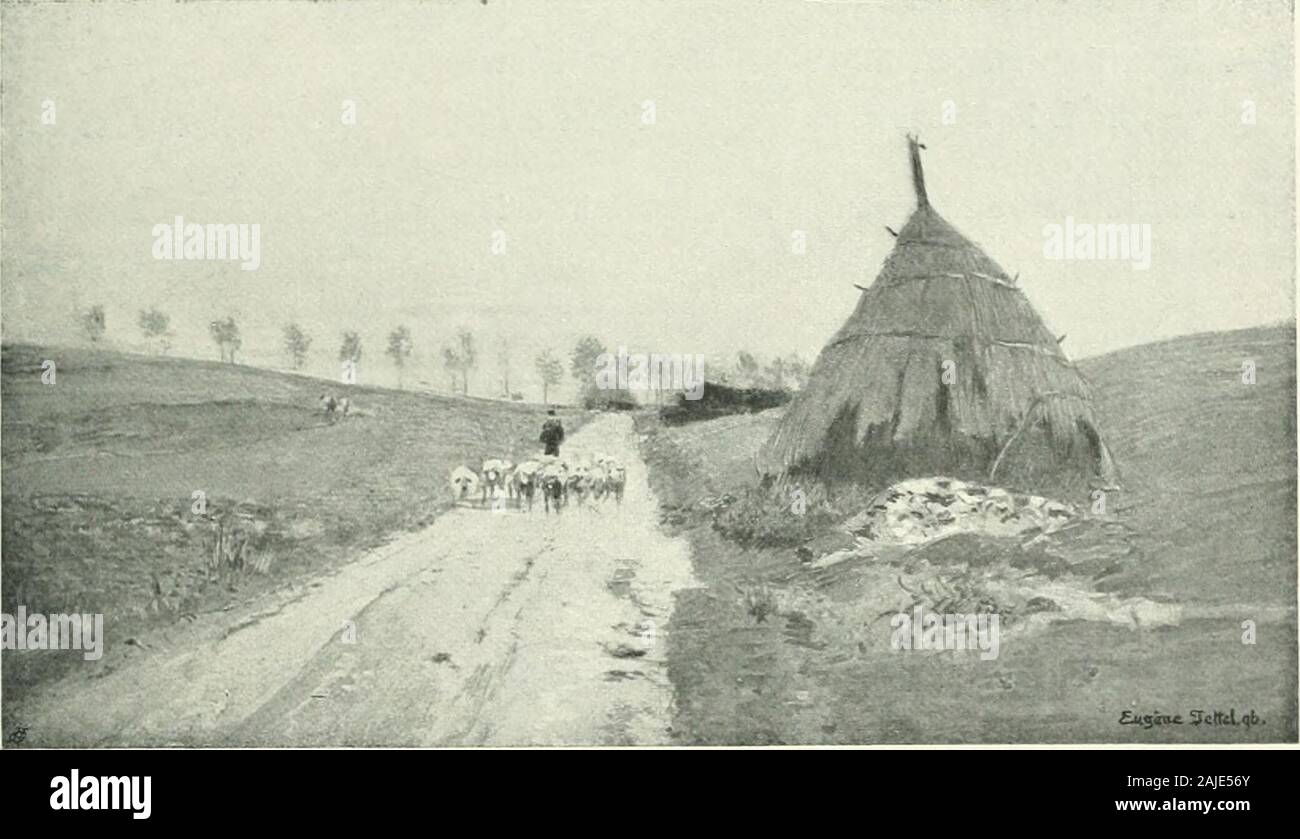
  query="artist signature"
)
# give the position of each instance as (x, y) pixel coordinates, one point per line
(1196, 717)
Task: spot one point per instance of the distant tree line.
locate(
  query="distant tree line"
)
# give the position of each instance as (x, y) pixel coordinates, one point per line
(460, 357)
(780, 373)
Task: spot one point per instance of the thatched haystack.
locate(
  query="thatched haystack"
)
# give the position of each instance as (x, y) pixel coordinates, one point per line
(877, 409)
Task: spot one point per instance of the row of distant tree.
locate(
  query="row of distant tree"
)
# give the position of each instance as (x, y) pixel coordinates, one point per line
(459, 358)
(779, 373)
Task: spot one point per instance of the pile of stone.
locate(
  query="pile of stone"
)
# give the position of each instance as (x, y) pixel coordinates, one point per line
(921, 510)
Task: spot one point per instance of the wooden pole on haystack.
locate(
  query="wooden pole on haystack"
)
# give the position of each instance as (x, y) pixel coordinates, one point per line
(918, 175)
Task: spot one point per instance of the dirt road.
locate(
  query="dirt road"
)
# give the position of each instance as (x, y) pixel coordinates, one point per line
(488, 627)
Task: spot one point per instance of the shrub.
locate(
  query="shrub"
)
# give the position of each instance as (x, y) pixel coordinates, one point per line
(230, 552)
(720, 400)
(785, 515)
(759, 601)
(772, 517)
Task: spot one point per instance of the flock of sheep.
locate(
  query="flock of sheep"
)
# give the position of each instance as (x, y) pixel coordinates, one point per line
(596, 478)
(561, 483)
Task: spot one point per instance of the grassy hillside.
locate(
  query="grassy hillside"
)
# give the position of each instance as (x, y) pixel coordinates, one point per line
(99, 471)
(1208, 461)
(1209, 466)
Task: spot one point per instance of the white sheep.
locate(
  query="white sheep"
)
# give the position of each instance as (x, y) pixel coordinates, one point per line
(578, 483)
(523, 481)
(615, 479)
(463, 483)
(554, 479)
(494, 477)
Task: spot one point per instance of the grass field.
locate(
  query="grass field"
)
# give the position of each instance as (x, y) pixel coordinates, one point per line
(1209, 466)
(100, 470)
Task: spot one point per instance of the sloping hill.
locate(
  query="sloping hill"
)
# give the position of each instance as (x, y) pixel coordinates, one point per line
(1209, 461)
(100, 471)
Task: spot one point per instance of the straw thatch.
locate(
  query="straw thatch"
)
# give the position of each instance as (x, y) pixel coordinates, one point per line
(876, 407)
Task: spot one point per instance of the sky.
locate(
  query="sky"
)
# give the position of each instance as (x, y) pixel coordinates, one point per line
(529, 122)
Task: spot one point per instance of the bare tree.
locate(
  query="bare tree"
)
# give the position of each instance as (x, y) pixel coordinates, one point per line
(399, 349)
(296, 344)
(775, 374)
(461, 358)
(468, 357)
(350, 350)
(225, 333)
(153, 324)
(747, 369)
(93, 323)
(585, 357)
(451, 362)
(550, 370)
(797, 369)
(503, 362)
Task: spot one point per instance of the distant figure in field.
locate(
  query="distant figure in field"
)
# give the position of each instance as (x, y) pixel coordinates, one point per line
(552, 434)
(334, 405)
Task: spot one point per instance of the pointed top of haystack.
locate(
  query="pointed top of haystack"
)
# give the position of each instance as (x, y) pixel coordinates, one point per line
(944, 368)
(926, 227)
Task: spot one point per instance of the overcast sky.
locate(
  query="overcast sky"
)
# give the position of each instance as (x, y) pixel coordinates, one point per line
(528, 118)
